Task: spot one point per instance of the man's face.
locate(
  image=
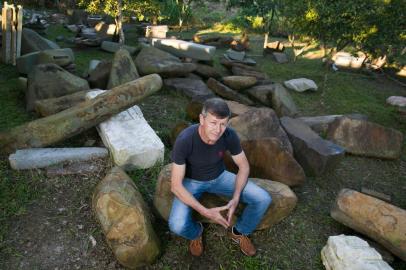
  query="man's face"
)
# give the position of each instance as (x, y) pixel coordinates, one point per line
(212, 127)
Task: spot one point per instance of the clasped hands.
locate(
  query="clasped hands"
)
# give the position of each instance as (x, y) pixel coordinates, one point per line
(215, 213)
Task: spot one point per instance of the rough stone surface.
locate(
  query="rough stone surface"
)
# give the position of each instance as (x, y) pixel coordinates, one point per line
(31, 41)
(37, 158)
(237, 108)
(269, 160)
(235, 55)
(344, 252)
(239, 82)
(71, 168)
(132, 142)
(207, 71)
(50, 80)
(125, 220)
(152, 60)
(275, 96)
(396, 101)
(314, 154)
(260, 123)
(61, 57)
(46, 107)
(189, 87)
(123, 69)
(280, 57)
(283, 199)
(183, 48)
(360, 137)
(320, 123)
(228, 93)
(381, 221)
(99, 77)
(26, 63)
(113, 47)
(301, 84)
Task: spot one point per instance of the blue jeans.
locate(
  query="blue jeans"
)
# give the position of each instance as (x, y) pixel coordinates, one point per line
(256, 199)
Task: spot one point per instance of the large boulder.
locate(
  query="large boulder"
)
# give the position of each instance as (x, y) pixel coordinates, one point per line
(396, 101)
(228, 93)
(321, 123)
(122, 70)
(31, 41)
(49, 106)
(99, 77)
(314, 154)
(283, 199)
(61, 57)
(260, 123)
(351, 252)
(192, 88)
(207, 71)
(27, 62)
(50, 80)
(183, 48)
(275, 96)
(152, 60)
(360, 137)
(132, 142)
(301, 84)
(239, 82)
(269, 160)
(381, 221)
(125, 220)
(244, 70)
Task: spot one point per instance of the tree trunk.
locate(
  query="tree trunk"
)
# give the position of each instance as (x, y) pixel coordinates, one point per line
(49, 130)
(119, 22)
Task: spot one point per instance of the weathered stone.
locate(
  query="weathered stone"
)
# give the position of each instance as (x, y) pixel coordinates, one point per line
(125, 220)
(48, 130)
(113, 47)
(38, 158)
(132, 142)
(27, 62)
(283, 199)
(301, 84)
(260, 123)
(50, 80)
(243, 71)
(360, 137)
(269, 160)
(347, 61)
(280, 57)
(93, 64)
(152, 60)
(239, 82)
(207, 71)
(105, 31)
(156, 31)
(275, 96)
(228, 93)
(228, 63)
(396, 101)
(189, 87)
(183, 48)
(237, 108)
(61, 57)
(381, 221)
(46, 107)
(320, 123)
(178, 129)
(122, 70)
(314, 154)
(234, 55)
(246, 61)
(31, 41)
(351, 253)
(99, 77)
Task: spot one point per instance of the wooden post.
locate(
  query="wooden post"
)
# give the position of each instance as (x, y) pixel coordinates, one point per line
(19, 29)
(6, 32)
(13, 45)
(11, 27)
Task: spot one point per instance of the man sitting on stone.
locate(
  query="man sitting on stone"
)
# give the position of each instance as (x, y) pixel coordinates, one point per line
(198, 167)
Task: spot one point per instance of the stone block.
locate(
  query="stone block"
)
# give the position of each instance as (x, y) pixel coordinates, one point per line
(183, 48)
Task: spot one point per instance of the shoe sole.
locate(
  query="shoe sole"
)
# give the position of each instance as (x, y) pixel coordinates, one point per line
(238, 242)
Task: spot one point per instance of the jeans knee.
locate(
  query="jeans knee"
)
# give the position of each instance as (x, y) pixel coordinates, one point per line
(177, 226)
(267, 199)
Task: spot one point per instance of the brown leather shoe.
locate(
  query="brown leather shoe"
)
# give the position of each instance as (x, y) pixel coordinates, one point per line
(196, 246)
(245, 243)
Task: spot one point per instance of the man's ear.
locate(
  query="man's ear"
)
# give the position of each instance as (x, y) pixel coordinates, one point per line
(201, 119)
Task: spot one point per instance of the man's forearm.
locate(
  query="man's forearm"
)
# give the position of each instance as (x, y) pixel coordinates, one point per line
(184, 195)
(240, 181)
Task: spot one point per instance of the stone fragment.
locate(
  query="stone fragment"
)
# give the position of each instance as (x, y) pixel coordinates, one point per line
(283, 199)
(156, 31)
(27, 62)
(239, 82)
(125, 220)
(313, 153)
(237, 108)
(242, 70)
(46, 107)
(93, 64)
(99, 77)
(105, 31)
(37, 158)
(344, 252)
(123, 69)
(381, 221)
(396, 101)
(246, 61)
(31, 41)
(276, 96)
(50, 80)
(48, 130)
(269, 160)
(183, 48)
(281, 58)
(301, 84)
(234, 55)
(260, 123)
(207, 71)
(113, 47)
(152, 60)
(189, 87)
(347, 61)
(320, 123)
(228, 93)
(61, 57)
(132, 142)
(360, 137)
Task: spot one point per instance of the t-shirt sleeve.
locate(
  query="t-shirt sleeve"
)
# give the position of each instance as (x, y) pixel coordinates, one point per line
(180, 151)
(233, 142)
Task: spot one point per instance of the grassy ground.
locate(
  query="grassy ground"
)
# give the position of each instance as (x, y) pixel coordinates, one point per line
(296, 242)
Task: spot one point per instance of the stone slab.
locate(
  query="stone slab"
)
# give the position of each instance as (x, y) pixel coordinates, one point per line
(301, 84)
(183, 48)
(113, 47)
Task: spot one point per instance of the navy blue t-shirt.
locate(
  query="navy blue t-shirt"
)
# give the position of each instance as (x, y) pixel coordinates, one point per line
(203, 161)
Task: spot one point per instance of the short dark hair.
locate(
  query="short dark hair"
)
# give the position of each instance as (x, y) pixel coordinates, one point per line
(216, 106)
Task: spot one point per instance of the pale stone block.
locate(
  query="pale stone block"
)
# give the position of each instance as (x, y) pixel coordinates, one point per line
(183, 48)
(130, 139)
(301, 84)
